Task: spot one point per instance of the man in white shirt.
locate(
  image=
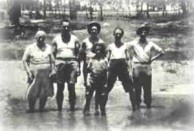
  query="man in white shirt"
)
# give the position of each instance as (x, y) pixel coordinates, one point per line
(118, 65)
(86, 52)
(66, 47)
(143, 52)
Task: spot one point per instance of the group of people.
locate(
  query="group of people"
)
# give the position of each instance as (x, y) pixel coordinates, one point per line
(102, 64)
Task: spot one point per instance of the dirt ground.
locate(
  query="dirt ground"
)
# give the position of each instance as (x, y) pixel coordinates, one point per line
(173, 90)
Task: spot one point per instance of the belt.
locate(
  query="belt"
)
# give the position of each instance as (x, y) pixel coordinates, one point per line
(122, 59)
(66, 59)
(142, 63)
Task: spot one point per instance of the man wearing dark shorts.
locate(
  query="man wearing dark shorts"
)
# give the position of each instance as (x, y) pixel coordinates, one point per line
(118, 65)
(66, 47)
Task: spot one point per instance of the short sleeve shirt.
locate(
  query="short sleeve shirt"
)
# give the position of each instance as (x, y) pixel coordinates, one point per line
(36, 56)
(117, 52)
(98, 66)
(143, 54)
(89, 45)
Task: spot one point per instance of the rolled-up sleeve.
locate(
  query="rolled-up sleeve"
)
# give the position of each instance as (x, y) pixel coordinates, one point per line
(155, 47)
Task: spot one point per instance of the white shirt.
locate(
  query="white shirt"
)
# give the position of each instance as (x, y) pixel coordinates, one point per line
(36, 55)
(117, 52)
(89, 45)
(143, 54)
(65, 50)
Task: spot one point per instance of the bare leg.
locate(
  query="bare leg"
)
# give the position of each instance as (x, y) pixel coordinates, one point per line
(88, 100)
(72, 96)
(97, 102)
(60, 96)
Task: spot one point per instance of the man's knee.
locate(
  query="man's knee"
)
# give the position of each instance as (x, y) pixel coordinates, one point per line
(128, 86)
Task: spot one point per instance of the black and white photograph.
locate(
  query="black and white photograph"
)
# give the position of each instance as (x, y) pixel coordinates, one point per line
(96, 65)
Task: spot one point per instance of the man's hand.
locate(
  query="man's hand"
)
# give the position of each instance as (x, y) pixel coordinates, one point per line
(29, 75)
(78, 72)
(52, 74)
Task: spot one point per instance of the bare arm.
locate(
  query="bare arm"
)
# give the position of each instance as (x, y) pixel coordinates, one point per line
(157, 55)
(159, 51)
(77, 48)
(108, 55)
(26, 62)
(52, 64)
(54, 49)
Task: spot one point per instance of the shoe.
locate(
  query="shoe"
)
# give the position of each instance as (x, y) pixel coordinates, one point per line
(41, 110)
(148, 106)
(133, 108)
(30, 111)
(60, 109)
(72, 108)
(103, 113)
(137, 106)
(86, 112)
(97, 113)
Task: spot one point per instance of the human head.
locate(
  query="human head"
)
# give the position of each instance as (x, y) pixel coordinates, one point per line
(99, 49)
(94, 28)
(118, 33)
(143, 30)
(65, 26)
(40, 36)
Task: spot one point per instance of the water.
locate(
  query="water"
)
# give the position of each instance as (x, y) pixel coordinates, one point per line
(171, 110)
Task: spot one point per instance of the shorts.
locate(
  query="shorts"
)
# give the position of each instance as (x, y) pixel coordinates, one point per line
(119, 68)
(67, 72)
(100, 79)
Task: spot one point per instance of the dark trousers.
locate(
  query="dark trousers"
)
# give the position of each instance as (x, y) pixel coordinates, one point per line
(143, 80)
(119, 68)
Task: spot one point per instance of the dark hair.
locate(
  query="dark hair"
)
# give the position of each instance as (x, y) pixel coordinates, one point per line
(91, 24)
(145, 26)
(139, 31)
(118, 28)
(103, 48)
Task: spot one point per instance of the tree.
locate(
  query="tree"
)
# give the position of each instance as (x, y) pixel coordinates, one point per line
(183, 5)
(44, 8)
(15, 12)
(147, 11)
(100, 4)
(73, 10)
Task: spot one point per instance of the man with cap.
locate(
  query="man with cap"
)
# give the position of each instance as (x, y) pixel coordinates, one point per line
(143, 53)
(86, 52)
(66, 48)
(118, 65)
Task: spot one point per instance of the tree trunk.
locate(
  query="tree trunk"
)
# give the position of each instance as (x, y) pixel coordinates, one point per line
(73, 10)
(15, 12)
(184, 7)
(147, 11)
(101, 13)
(163, 9)
(44, 8)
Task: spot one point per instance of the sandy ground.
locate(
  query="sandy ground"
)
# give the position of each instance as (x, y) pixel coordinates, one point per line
(172, 103)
